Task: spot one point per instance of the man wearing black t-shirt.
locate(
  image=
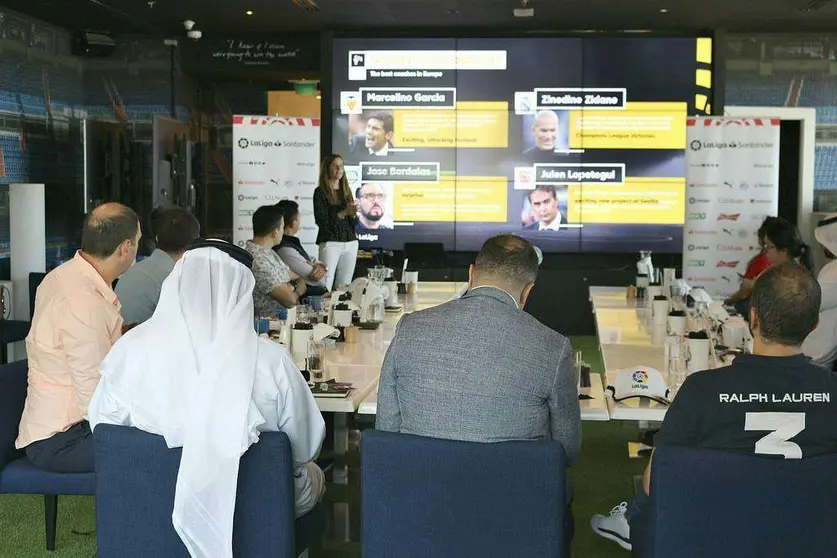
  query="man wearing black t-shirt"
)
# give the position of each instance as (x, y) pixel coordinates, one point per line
(774, 403)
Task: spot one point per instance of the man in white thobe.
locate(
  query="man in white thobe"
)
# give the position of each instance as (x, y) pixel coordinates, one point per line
(197, 374)
(821, 344)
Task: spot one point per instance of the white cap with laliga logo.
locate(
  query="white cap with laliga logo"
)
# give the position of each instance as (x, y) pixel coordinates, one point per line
(639, 381)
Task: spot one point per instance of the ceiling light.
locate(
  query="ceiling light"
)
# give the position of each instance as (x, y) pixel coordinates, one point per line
(249, 12)
(663, 11)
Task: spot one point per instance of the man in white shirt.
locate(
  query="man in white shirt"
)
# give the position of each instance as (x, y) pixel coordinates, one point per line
(821, 344)
(197, 374)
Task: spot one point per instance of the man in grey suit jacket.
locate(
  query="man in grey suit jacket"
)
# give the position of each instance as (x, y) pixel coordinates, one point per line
(479, 368)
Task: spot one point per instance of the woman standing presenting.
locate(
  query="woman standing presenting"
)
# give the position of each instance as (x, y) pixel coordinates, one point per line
(335, 213)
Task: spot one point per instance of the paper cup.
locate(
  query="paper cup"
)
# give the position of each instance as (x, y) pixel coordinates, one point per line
(699, 351)
(676, 325)
(659, 309)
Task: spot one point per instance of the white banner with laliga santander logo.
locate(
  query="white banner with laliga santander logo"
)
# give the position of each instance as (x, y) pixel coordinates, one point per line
(275, 158)
(732, 184)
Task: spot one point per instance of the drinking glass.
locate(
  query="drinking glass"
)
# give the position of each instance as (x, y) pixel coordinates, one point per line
(678, 365)
(577, 364)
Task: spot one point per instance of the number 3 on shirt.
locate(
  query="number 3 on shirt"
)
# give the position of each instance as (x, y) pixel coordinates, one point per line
(783, 427)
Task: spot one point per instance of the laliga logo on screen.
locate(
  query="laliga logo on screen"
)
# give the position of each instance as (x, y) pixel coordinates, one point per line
(696, 145)
(728, 216)
(243, 143)
(722, 263)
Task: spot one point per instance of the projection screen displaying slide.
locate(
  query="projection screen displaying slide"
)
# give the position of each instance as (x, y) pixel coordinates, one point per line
(575, 143)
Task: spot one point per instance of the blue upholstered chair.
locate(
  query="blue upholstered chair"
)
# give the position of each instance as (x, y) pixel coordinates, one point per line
(427, 497)
(17, 474)
(721, 504)
(137, 473)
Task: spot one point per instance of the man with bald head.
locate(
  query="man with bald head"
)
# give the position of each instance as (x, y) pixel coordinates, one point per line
(545, 131)
(77, 319)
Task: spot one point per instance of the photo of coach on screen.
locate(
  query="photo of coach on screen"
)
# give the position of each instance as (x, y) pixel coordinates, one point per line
(542, 209)
(372, 198)
(545, 135)
(376, 139)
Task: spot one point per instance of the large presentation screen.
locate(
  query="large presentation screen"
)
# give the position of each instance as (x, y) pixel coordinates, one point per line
(575, 143)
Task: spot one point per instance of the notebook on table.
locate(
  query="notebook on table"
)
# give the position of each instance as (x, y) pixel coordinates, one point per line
(332, 389)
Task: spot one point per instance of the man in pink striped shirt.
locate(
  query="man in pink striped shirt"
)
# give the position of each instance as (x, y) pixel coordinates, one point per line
(77, 320)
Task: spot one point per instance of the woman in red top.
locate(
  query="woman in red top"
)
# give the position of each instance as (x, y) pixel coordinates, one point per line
(741, 298)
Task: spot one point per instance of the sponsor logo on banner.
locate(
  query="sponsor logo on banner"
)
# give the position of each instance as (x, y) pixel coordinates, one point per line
(252, 163)
(744, 186)
(246, 212)
(251, 182)
(762, 166)
(729, 248)
(702, 185)
(307, 183)
(743, 233)
(697, 145)
(242, 197)
(697, 263)
(728, 184)
(731, 201)
(754, 200)
(698, 200)
(758, 216)
(697, 247)
(241, 243)
(698, 232)
(728, 216)
(244, 143)
(274, 198)
(305, 164)
(724, 263)
(696, 216)
(764, 185)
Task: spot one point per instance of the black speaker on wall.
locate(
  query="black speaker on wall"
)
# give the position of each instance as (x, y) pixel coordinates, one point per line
(93, 44)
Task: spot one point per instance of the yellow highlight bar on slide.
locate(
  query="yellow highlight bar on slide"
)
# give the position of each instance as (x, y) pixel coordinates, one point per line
(653, 201)
(471, 124)
(478, 199)
(639, 126)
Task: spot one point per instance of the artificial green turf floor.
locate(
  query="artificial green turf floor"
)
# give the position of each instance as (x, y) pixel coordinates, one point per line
(602, 478)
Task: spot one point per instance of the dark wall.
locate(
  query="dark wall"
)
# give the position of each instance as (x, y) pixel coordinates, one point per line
(46, 94)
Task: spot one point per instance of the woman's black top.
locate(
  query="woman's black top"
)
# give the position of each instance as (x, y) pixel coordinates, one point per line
(332, 228)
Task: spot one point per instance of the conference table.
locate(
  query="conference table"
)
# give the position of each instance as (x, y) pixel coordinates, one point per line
(628, 337)
(360, 363)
